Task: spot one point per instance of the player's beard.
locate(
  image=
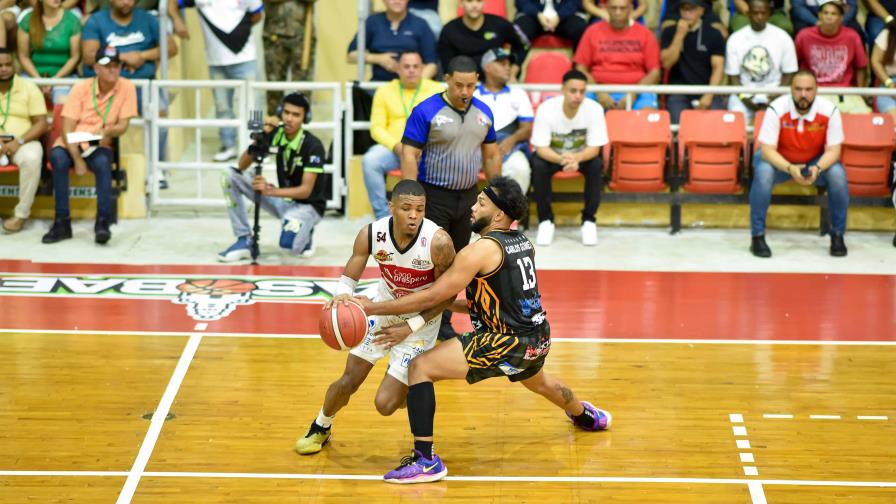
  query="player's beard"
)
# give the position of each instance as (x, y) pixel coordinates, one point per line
(804, 109)
(479, 224)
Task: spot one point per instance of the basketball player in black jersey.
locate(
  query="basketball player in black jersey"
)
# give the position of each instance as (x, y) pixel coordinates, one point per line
(511, 337)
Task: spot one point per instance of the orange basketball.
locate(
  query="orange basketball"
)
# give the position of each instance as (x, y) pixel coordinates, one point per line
(343, 326)
(211, 286)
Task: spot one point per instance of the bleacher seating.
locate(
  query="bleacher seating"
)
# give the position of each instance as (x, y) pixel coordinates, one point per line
(638, 155)
(712, 150)
(867, 153)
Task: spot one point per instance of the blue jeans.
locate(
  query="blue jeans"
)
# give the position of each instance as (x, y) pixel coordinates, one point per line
(765, 177)
(248, 70)
(377, 161)
(884, 102)
(100, 163)
(641, 101)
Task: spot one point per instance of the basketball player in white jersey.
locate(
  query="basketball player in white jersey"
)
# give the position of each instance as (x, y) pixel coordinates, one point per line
(411, 252)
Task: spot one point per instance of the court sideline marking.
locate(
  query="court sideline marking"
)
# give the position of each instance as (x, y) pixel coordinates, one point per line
(554, 340)
(757, 494)
(158, 420)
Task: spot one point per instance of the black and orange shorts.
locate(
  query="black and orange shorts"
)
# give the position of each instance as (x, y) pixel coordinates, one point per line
(516, 356)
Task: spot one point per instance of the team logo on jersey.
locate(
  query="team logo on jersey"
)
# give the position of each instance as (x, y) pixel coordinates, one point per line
(211, 299)
(423, 241)
(483, 119)
(383, 256)
(421, 263)
(381, 237)
(508, 369)
(440, 120)
(533, 353)
(489, 35)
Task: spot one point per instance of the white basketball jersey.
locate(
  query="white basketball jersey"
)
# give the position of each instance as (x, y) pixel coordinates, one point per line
(402, 271)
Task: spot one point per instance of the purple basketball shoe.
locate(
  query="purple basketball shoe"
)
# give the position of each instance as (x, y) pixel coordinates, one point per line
(417, 469)
(598, 418)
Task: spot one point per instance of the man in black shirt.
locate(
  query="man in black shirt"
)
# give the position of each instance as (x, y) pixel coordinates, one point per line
(474, 33)
(299, 198)
(693, 53)
(511, 334)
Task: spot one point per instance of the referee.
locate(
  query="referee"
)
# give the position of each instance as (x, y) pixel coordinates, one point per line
(448, 138)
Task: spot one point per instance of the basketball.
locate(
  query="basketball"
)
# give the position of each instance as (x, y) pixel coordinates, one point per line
(343, 326)
(213, 287)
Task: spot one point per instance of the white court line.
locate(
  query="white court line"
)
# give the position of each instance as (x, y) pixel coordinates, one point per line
(756, 492)
(776, 415)
(158, 419)
(201, 326)
(747, 457)
(743, 444)
(739, 430)
(751, 471)
(497, 479)
(871, 417)
(736, 418)
(824, 417)
(554, 340)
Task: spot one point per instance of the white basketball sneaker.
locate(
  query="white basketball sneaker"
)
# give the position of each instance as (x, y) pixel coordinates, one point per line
(545, 233)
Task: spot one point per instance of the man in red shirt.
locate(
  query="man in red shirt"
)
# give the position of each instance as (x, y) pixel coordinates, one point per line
(620, 52)
(800, 138)
(835, 54)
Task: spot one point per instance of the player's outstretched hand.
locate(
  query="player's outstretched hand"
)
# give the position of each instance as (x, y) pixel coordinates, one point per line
(392, 335)
(341, 298)
(363, 301)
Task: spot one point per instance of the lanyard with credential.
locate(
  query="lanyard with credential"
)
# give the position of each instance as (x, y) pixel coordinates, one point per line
(407, 113)
(292, 148)
(97, 109)
(6, 111)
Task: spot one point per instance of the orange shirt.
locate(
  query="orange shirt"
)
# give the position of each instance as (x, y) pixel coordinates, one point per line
(79, 105)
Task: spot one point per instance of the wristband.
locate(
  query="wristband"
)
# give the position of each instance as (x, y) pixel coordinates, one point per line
(346, 285)
(416, 322)
(888, 82)
(888, 19)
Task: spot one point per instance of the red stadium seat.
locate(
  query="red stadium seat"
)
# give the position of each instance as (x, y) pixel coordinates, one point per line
(640, 142)
(546, 68)
(867, 153)
(9, 168)
(712, 147)
(496, 7)
(548, 41)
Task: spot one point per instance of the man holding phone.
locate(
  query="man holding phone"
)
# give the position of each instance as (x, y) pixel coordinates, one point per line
(800, 138)
(23, 120)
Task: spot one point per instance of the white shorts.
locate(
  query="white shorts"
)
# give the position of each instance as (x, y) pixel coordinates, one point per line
(401, 354)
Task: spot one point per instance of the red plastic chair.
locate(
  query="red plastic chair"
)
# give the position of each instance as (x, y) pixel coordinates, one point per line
(867, 153)
(549, 41)
(640, 143)
(546, 68)
(496, 7)
(712, 148)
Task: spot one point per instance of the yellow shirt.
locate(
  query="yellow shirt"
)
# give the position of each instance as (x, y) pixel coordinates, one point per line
(391, 107)
(25, 101)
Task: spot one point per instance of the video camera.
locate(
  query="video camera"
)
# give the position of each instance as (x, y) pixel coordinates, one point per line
(260, 146)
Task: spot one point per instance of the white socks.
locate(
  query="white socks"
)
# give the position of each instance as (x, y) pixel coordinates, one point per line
(324, 420)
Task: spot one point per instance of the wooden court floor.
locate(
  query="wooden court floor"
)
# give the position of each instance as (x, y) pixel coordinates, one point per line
(740, 388)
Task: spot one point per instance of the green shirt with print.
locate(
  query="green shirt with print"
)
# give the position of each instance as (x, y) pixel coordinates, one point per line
(55, 50)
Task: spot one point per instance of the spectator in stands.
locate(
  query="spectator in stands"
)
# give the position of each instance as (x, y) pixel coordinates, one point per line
(600, 12)
(777, 16)
(392, 105)
(284, 40)
(559, 17)
(9, 12)
(389, 34)
(880, 14)
(883, 62)
(513, 115)
(693, 53)
(760, 55)
(24, 116)
(835, 55)
(102, 105)
(672, 14)
(298, 201)
(427, 10)
(620, 52)
(49, 43)
(568, 133)
(807, 14)
(230, 53)
(800, 139)
(449, 138)
(474, 33)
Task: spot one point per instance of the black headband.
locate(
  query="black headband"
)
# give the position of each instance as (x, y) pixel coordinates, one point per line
(498, 201)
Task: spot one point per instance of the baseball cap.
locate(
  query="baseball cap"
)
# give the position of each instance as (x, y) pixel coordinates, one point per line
(107, 55)
(698, 3)
(838, 3)
(495, 55)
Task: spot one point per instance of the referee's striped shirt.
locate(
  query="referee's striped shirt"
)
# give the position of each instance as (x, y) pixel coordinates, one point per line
(451, 141)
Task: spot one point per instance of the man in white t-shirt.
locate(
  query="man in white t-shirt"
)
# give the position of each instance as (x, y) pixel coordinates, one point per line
(230, 53)
(759, 55)
(513, 115)
(568, 133)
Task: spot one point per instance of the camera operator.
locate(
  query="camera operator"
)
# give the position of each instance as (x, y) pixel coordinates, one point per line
(298, 199)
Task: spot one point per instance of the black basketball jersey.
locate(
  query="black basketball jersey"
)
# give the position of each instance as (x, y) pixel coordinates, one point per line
(507, 301)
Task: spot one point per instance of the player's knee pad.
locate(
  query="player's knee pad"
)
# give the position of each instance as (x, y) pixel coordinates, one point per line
(289, 230)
